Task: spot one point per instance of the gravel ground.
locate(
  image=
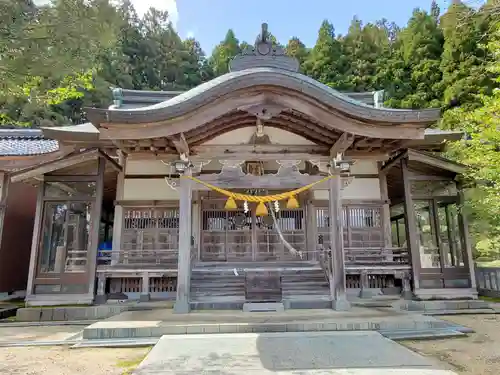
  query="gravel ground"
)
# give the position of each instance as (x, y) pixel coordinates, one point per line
(476, 354)
(47, 333)
(65, 361)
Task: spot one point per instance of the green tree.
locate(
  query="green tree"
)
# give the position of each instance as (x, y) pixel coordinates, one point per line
(224, 52)
(481, 152)
(295, 48)
(464, 58)
(414, 66)
(325, 62)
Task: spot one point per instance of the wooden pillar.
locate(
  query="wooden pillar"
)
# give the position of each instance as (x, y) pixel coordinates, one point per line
(411, 225)
(311, 229)
(118, 216)
(4, 190)
(337, 244)
(182, 305)
(95, 225)
(464, 228)
(100, 298)
(144, 297)
(386, 210)
(37, 230)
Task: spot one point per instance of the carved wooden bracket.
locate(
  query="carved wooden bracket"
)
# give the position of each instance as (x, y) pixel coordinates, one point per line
(264, 111)
(232, 167)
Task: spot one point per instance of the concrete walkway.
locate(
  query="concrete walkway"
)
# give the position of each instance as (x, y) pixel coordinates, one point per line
(333, 353)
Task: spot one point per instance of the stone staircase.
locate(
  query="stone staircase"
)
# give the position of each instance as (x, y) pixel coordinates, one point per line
(222, 286)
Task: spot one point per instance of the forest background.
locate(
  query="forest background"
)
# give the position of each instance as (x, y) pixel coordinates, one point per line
(59, 58)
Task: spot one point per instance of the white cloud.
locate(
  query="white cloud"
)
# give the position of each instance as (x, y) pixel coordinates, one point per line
(142, 6)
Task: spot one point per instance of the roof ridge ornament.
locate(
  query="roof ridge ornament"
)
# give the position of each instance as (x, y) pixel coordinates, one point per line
(264, 55)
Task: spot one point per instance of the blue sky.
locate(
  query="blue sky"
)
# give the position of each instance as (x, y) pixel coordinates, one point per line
(209, 20)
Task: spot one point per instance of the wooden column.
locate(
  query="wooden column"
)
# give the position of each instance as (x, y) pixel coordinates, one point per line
(118, 216)
(311, 229)
(35, 241)
(144, 297)
(182, 305)
(411, 225)
(4, 190)
(386, 210)
(100, 297)
(464, 227)
(96, 225)
(337, 244)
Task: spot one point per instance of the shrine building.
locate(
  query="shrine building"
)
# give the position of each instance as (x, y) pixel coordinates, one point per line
(259, 185)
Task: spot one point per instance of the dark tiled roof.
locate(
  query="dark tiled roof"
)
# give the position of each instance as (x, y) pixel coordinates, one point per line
(25, 142)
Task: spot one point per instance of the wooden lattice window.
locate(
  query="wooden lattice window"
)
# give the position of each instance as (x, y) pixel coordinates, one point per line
(147, 228)
(362, 226)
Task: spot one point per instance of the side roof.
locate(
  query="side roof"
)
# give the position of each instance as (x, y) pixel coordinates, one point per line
(25, 142)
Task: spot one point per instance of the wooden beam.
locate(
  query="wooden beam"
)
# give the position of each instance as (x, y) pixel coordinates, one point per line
(50, 166)
(116, 166)
(262, 182)
(342, 144)
(221, 150)
(436, 162)
(180, 144)
(396, 160)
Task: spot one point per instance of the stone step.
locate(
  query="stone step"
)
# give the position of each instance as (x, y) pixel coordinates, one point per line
(401, 326)
(424, 334)
(305, 284)
(305, 292)
(218, 293)
(216, 284)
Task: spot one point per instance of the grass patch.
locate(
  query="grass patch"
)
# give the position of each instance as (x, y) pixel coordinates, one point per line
(130, 365)
(490, 299)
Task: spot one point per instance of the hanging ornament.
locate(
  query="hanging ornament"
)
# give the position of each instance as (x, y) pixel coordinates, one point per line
(276, 206)
(230, 204)
(292, 203)
(261, 210)
(245, 207)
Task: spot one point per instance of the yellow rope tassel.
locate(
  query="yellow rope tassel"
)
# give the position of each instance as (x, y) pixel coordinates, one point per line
(230, 204)
(292, 202)
(261, 210)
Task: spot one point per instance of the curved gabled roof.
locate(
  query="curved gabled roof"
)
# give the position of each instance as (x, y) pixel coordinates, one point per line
(254, 78)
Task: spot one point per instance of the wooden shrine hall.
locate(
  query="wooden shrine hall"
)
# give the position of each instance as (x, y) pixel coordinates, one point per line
(259, 185)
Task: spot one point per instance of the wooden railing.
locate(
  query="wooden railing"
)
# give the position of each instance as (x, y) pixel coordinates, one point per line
(488, 281)
(138, 258)
(376, 256)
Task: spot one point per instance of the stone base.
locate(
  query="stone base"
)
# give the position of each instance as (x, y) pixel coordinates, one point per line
(181, 307)
(59, 314)
(407, 295)
(100, 299)
(144, 298)
(425, 306)
(446, 294)
(263, 307)
(341, 305)
(368, 293)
